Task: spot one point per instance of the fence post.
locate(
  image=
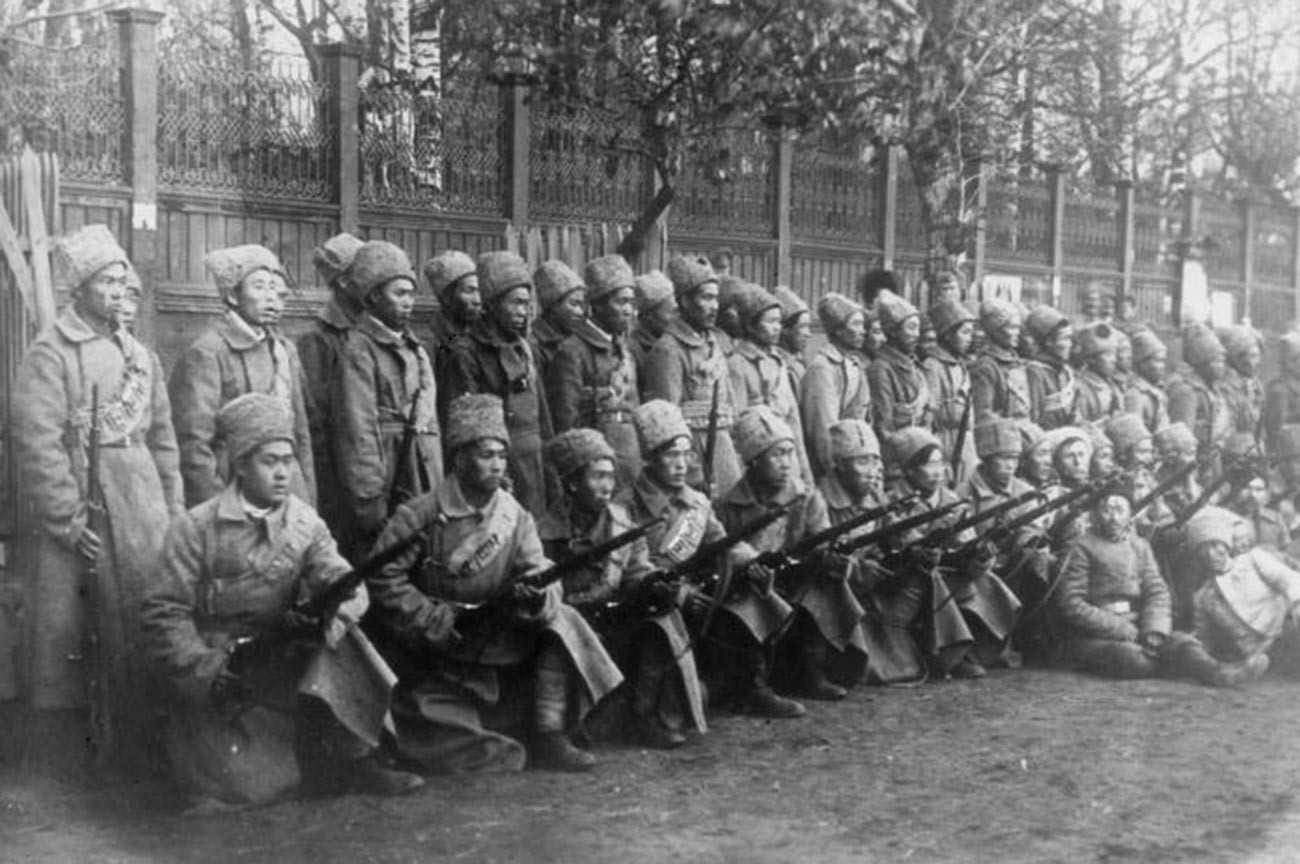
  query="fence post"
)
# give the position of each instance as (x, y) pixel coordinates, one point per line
(1189, 249)
(342, 72)
(1248, 219)
(1056, 231)
(784, 169)
(138, 50)
(981, 224)
(887, 232)
(518, 134)
(1127, 249)
(1295, 260)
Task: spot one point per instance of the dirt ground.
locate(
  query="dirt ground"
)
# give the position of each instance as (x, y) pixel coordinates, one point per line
(1032, 765)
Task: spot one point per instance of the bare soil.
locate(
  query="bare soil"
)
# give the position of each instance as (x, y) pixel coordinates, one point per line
(1030, 765)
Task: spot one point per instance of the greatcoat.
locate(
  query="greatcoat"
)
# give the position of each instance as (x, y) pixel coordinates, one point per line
(321, 351)
(1053, 394)
(950, 391)
(761, 377)
(999, 385)
(900, 393)
(835, 388)
(1148, 401)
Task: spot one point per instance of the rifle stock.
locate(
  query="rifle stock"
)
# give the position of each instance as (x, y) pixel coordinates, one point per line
(711, 440)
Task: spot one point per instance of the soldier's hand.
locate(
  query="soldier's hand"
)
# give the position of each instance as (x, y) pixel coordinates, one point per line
(695, 605)
(89, 545)
(301, 625)
(662, 595)
(1153, 641)
(228, 689)
(529, 599)
(868, 575)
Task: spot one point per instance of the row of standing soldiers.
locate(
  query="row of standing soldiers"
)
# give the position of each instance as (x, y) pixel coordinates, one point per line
(653, 479)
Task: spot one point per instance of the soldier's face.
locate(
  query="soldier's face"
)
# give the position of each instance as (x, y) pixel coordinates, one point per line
(766, 329)
(776, 466)
(1142, 454)
(958, 339)
(130, 308)
(1211, 370)
(1112, 516)
(1216, 556)
(875, 336)
(1000, 468)
(257, 299)
(1007, 336)
(1072, 462)
(1247, 362)
(1257, 493)
(668, 466)
(100, 297)
(1103, 461)
(615, 312)
(481, 466)
(570, 309)
(700, 307)
(1038, 462)
(1152, 369)
(860, 475)
(594, 486)
(264, 474)
(1124, 356)
(926, 476)
(1058, 344)
(658, 317)
(906, 334)
(853, 334)
(796, 332)
(466, 301)
(1103, 363)
(510, 311)
(393, 302)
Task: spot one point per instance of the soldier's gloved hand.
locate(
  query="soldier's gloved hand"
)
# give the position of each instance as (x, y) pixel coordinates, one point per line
(228, 689)
(662, 595)
(923, 557)
(835, 566)
(868, 575)
(598, 594)
(759, 576)
(529, 599)
(300, 625)
(695, 605)
(88, 545)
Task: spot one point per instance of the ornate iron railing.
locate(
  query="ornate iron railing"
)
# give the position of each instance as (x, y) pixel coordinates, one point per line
(1220, 223)
(432, 151)
(832, 193)
(67, 101)
(1091, 232)
(1274, 241)
(1018, 222)
(226, 128)
(727, 187)
(1156, 231)
(586, 164)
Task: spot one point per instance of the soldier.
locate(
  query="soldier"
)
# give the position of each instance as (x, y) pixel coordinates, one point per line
(1036, 458)
(900, 396)
(999, 384)
(729, 330)
(562, 299)
(950, 385)
(1264, 525)
(1115, 608)
(1193, 397)
(655, 309)
(238, 354)
(1122, 377)
(1146, 394)
(138, 475)
(1052, 387)
(651, 639)
(1240, 387)
(385, 435)
(494, 357)
(835, 386)
(592, 382)
(871, 283)
(796, 331)
(1285, 482)
(1176, 449)
(473, 645)
(687, 365)
(967, 613)
(1097, 395)
(1135, 447)
(453, 279)
(321, 351)
(232, 568)
(1282, 398)
(826, 614)
(759, 375)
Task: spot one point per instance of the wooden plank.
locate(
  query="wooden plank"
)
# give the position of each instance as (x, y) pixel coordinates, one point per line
(196, 244)
(42, 279)
(12, 248)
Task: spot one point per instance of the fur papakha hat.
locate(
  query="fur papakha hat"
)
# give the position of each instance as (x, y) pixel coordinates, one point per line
(1126, 430)
(500, 272)
(910, 442)
(333, 257)
(247, 422)
(758, 430)
(608, 274)
(1043, 321)
(85, 252)
(947, 314)
(652, 289)
(554, 281)
(472, 417)
(446, 269)
(1000, 437)
(688, 274)
(1146, 345)
(231, 266)
(792, 305)
(659, 422)
(574, 449)
(893, 309)
(1097, 339)
(996, 313)
(1201, 345)
(853, 438)
(835, 310)
(1211, 525)
(1172, 439)
(377, 263)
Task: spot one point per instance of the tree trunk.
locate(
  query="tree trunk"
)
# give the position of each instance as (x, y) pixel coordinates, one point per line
(939, 174)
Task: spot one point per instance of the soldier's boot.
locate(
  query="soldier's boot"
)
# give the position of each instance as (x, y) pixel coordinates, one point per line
(813, 652)
(647, 692)
(1184, 655)
(334, 762)
(763, 700)
(552, 750)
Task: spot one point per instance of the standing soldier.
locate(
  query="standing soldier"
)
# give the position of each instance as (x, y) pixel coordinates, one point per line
(1146, 395)
(496, 358)
(114, 541)
(1097, 396)
(592, 381)
(655, 309)
(735, 649)
(950, 385)
(1282, 399)
(687, 366)
(454, 281)
(1240, 386)
(646, 633)
(999, 384)
(477, 651)
(835, 386)
(759, 375)
(385, 433)
(796, 330)
(240, 353)
(562, 299)
(315, 709)
(321, 352)
(1193, 397)
(900, 395)
(1053, 394)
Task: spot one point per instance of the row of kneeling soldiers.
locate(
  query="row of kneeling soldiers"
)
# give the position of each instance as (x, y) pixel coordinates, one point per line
(343, 565)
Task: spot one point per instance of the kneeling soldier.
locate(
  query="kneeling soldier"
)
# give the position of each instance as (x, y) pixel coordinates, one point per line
(471, 629)
(732, 632)
(635, 612)
(827, 614)
(231, 568)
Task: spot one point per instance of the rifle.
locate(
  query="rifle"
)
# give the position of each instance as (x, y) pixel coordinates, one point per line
(1164, 486)
(961, 432)
(702, 560)
(711, 440)
(787, 557)
(941, 538)
(1236, 471)
(97, 678)
(404, 455)
(304, 620)
(898, 527)
(1002, 532)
